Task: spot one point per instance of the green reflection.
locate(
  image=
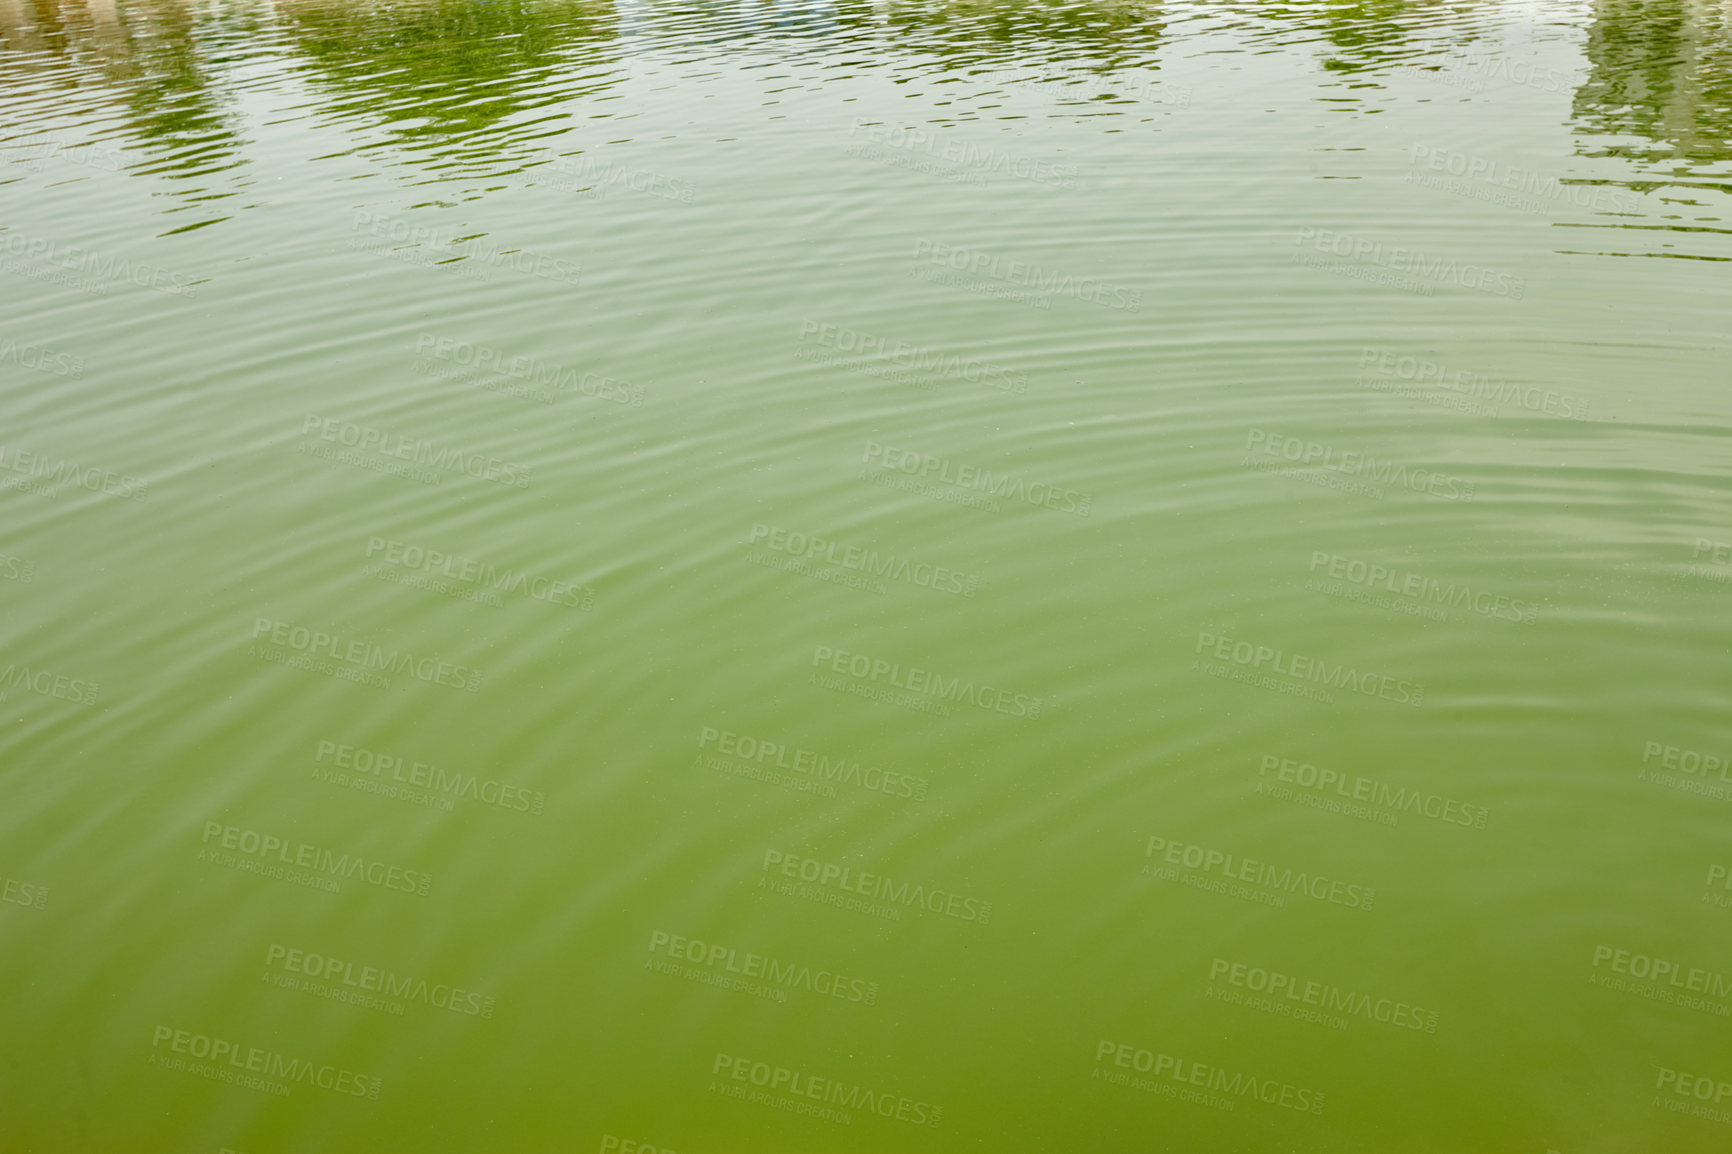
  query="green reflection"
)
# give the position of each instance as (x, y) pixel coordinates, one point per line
(1369, 34)
(175, 108)
(1360, 43)
(1102, 36)
(450, 77)
(1659, 70)
(149, 70)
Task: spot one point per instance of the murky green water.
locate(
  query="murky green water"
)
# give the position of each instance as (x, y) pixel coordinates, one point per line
(871, 577)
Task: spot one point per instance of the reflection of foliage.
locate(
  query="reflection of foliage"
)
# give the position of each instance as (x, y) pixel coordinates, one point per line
(1366, 34)
(155, 64)
(997, 31)
(1370, 36)
(176, 111)
(441, 71)
(1662, 70)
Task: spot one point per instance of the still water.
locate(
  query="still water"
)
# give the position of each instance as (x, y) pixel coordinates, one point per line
(753, 577)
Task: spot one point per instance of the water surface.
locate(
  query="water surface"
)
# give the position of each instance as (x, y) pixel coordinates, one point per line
(866, 576)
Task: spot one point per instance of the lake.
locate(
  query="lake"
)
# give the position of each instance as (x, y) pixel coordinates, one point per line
(658, 577)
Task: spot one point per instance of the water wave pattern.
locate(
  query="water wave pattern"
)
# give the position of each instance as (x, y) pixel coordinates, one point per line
(779, 576)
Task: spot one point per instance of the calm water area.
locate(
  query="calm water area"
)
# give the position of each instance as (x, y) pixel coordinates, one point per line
(845, 578)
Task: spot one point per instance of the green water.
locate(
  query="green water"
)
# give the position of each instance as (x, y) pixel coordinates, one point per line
(870, 577)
